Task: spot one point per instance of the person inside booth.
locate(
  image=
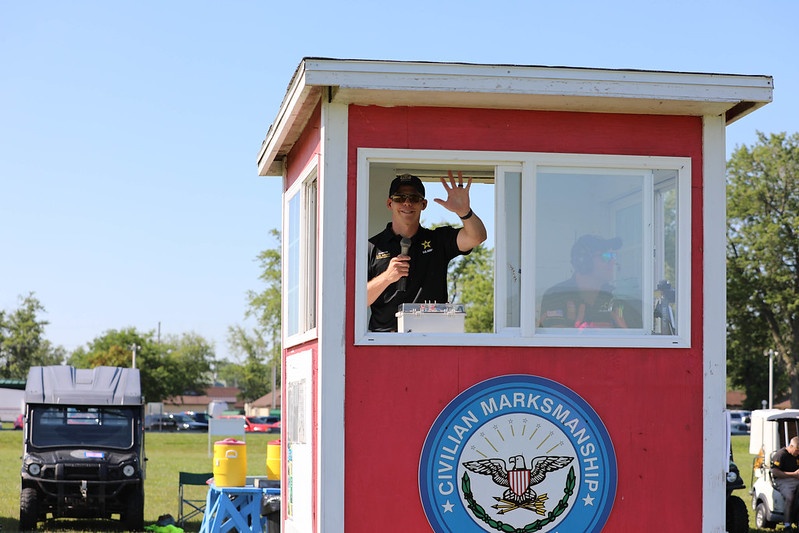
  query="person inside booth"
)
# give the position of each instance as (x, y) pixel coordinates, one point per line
(407, 262)
(586, 300)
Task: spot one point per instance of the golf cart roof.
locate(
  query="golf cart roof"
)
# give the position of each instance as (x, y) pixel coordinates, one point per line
(66, 385)
(772, 429)
(782, 414)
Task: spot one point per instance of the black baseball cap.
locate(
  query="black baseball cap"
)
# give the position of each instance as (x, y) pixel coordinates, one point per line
(406, 179)
(594, 244)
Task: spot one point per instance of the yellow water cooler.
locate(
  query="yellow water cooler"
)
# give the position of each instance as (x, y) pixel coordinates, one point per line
(273, 459)
(230, 463)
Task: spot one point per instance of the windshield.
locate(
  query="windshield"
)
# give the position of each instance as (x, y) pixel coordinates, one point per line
(97, 427)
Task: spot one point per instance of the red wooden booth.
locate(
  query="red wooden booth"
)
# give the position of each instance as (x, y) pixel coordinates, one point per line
(507, 414)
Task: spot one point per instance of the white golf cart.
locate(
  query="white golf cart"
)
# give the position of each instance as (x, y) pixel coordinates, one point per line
(772, 429)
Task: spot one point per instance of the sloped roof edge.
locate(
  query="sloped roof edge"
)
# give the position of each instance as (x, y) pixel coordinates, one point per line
(420, 83)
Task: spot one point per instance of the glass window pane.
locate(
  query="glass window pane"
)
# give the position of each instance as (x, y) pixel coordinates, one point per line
(513, 239)
(665, 254)
(293, 264)
(83, 426)
(311, 232)
(590, 249)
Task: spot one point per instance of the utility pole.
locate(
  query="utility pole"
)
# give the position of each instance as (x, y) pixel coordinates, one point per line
(135, 347)
(274, 384)
(771, 354)
(771, 379)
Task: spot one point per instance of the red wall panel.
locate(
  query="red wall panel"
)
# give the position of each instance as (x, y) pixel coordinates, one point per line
(307, 146)
(649, 399)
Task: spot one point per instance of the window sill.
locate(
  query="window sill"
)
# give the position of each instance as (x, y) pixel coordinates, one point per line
(513, 338)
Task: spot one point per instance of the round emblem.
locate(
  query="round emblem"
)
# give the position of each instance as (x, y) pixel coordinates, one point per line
(517, 453)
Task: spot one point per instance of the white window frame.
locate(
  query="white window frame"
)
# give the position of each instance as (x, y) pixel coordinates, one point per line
(528, 163)
(306, 189)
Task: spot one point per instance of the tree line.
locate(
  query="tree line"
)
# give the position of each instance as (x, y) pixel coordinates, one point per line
(170, 367)
(763, 268)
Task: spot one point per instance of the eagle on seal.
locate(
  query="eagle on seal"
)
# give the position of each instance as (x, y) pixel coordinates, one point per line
(519, 479)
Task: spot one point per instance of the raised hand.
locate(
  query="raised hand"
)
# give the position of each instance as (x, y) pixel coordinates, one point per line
(457, 194)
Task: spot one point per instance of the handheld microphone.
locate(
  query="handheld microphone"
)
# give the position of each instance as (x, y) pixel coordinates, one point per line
(405, 246)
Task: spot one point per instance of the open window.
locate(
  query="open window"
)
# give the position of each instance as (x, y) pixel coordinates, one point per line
(540, 206)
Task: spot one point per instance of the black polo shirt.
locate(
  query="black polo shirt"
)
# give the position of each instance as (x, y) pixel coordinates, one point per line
(430, 253)
(561, 304)
(785, 461)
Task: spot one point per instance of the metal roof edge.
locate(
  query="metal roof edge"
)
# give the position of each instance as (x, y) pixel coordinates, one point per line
(389, 62)
(277, 128)
(527, 80)
(410, 81)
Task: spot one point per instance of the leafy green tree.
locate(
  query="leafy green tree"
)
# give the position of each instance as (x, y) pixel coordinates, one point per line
(228, 372)
(22, 341)
(179, 365)
(253, 376)
(471, 282)
(113, 348)
(260, 347)
(189, 358)
(763, 265)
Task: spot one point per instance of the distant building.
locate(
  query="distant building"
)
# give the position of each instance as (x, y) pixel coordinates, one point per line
(265, 405)
(200, 402)
(736, 398)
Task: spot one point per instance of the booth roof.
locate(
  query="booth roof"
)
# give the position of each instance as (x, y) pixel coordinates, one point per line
(497, 86)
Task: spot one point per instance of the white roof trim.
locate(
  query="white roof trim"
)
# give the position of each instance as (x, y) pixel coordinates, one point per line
(399, 83)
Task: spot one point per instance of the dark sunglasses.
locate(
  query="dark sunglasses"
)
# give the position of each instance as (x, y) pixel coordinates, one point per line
(608, 256)
(402, 198)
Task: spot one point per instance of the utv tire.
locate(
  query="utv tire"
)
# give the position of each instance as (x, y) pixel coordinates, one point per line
(133, 518)
(760, 517)
(737, 515)
(28, 509)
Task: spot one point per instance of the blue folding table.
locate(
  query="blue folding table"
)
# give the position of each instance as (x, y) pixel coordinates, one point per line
(234, 509)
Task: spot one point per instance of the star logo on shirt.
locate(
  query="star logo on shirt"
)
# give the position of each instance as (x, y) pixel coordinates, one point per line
(426, 245)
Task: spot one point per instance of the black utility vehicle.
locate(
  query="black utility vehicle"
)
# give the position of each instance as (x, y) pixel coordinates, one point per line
(737, 514)
(83, 446)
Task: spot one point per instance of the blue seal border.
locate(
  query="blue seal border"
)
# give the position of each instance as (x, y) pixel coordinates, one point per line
(497, 385)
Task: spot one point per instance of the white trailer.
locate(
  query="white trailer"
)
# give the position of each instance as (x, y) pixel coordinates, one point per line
(12, 404)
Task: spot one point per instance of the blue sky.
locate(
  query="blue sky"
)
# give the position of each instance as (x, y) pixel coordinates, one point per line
(129, 194)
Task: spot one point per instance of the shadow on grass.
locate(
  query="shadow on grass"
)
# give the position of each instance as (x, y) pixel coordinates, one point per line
(69, 525)
(66, 524)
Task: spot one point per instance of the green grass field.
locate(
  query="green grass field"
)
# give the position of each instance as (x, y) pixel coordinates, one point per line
(170, 453)
(740, 452)
(167, 453)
